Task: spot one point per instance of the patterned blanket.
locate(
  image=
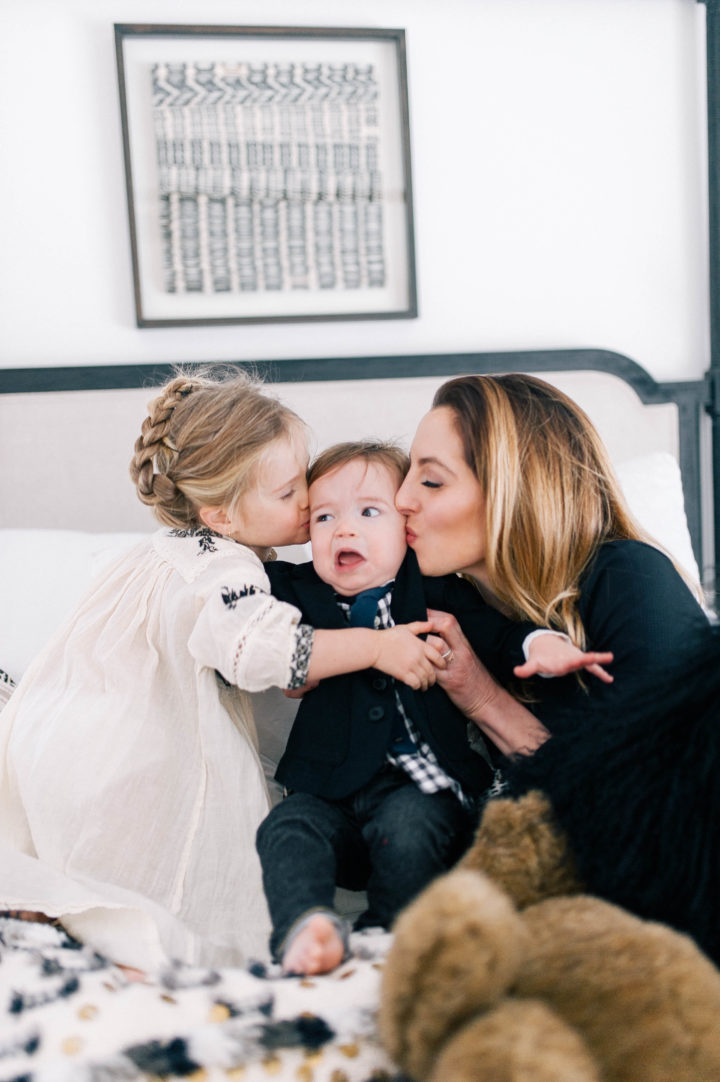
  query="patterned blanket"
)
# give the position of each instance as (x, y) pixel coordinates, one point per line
(69, 1015)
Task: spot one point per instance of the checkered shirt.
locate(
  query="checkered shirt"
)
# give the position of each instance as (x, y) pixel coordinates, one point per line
(421, 765)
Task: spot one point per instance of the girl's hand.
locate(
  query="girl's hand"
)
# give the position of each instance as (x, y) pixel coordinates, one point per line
(298, 693)
(403, 655)
(555, 655)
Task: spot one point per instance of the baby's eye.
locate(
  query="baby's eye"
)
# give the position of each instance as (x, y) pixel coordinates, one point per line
(324, 517)
(370, 512)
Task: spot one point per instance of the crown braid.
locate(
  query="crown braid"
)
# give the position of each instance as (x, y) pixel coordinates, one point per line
(201, 441)
(155, 448)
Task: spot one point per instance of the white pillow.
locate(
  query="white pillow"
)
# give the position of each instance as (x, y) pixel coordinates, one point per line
(652, 485)
(44, 574)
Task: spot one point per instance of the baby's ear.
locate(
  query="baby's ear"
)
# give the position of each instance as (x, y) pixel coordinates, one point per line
(214, 517)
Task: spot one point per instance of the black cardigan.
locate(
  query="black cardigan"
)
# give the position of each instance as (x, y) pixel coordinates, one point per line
(631, 769)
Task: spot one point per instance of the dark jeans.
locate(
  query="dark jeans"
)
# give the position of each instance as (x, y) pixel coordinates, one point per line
(388, 838)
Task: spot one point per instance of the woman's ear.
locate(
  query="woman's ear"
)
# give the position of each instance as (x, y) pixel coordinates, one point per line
(216, 518)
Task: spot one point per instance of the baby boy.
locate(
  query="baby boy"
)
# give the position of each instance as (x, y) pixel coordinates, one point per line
(383, 784)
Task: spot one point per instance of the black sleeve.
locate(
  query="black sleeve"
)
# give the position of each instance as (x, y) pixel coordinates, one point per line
(634, 603)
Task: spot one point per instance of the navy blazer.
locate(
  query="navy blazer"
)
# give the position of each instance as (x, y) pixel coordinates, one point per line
(342, 730)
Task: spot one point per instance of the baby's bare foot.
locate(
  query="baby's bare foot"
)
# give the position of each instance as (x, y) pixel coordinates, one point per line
(317, 948)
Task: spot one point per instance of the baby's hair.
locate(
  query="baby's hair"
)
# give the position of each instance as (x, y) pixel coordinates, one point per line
(202, 440)
(377, 452)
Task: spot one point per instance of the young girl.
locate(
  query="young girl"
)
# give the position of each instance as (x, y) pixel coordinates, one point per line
(130, 784)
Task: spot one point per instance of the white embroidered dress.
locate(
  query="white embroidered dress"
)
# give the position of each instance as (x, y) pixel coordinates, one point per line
(130, 783)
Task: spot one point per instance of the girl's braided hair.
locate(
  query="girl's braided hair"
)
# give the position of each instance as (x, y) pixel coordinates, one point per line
(201, 441)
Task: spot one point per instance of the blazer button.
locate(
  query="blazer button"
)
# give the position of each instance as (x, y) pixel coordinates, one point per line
(379, 683)
(376, 713)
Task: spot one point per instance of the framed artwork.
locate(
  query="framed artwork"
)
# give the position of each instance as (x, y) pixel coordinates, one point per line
(267, 172)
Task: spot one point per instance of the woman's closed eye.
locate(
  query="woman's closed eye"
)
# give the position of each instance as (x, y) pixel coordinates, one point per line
(432, 484)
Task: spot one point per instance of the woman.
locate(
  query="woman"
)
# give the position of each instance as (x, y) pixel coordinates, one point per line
(511, 485)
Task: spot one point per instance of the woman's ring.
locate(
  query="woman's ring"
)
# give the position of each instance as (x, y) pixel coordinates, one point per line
(448, 656)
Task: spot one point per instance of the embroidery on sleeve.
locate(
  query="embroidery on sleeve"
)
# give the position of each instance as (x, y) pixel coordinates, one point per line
(203, 534)
(231, 597)
(300, 661)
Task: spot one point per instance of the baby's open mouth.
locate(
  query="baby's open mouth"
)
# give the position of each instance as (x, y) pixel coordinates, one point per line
(348, 558)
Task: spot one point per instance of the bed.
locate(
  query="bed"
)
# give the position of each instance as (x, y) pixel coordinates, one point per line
(67, 508)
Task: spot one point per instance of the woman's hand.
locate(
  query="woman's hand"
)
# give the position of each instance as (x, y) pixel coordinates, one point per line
(505, 721)
(464, 677)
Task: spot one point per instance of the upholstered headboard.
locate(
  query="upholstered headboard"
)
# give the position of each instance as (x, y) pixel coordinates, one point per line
(66, 434)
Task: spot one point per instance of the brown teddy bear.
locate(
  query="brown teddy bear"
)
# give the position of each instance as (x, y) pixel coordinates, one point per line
(502, 971)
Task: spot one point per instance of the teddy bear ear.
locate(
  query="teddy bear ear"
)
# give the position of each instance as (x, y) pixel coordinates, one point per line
(455, 951)
(519, 845)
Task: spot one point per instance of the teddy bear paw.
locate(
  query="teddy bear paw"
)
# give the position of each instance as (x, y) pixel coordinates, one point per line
(517, 1041)
(455, 951)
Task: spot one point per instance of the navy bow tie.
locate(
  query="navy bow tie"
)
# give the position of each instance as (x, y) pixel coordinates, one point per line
(364, 608)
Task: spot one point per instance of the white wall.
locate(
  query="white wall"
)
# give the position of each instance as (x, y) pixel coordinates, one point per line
(559, 169)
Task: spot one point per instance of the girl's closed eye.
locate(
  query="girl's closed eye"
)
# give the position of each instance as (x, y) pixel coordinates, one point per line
(370, 512)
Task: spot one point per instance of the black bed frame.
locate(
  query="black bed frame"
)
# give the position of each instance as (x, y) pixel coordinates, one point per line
(712, 378)
(691, 397)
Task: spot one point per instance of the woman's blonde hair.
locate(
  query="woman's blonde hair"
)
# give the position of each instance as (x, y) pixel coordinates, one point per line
(202, 440)
(551, 496)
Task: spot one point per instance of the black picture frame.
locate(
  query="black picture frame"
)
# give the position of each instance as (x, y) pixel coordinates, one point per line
(267, 172)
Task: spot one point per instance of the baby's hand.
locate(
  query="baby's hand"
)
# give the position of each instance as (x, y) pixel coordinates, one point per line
(555, 655)
(406, 657)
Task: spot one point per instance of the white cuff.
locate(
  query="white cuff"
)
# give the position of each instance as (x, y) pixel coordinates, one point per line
(533, 635)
